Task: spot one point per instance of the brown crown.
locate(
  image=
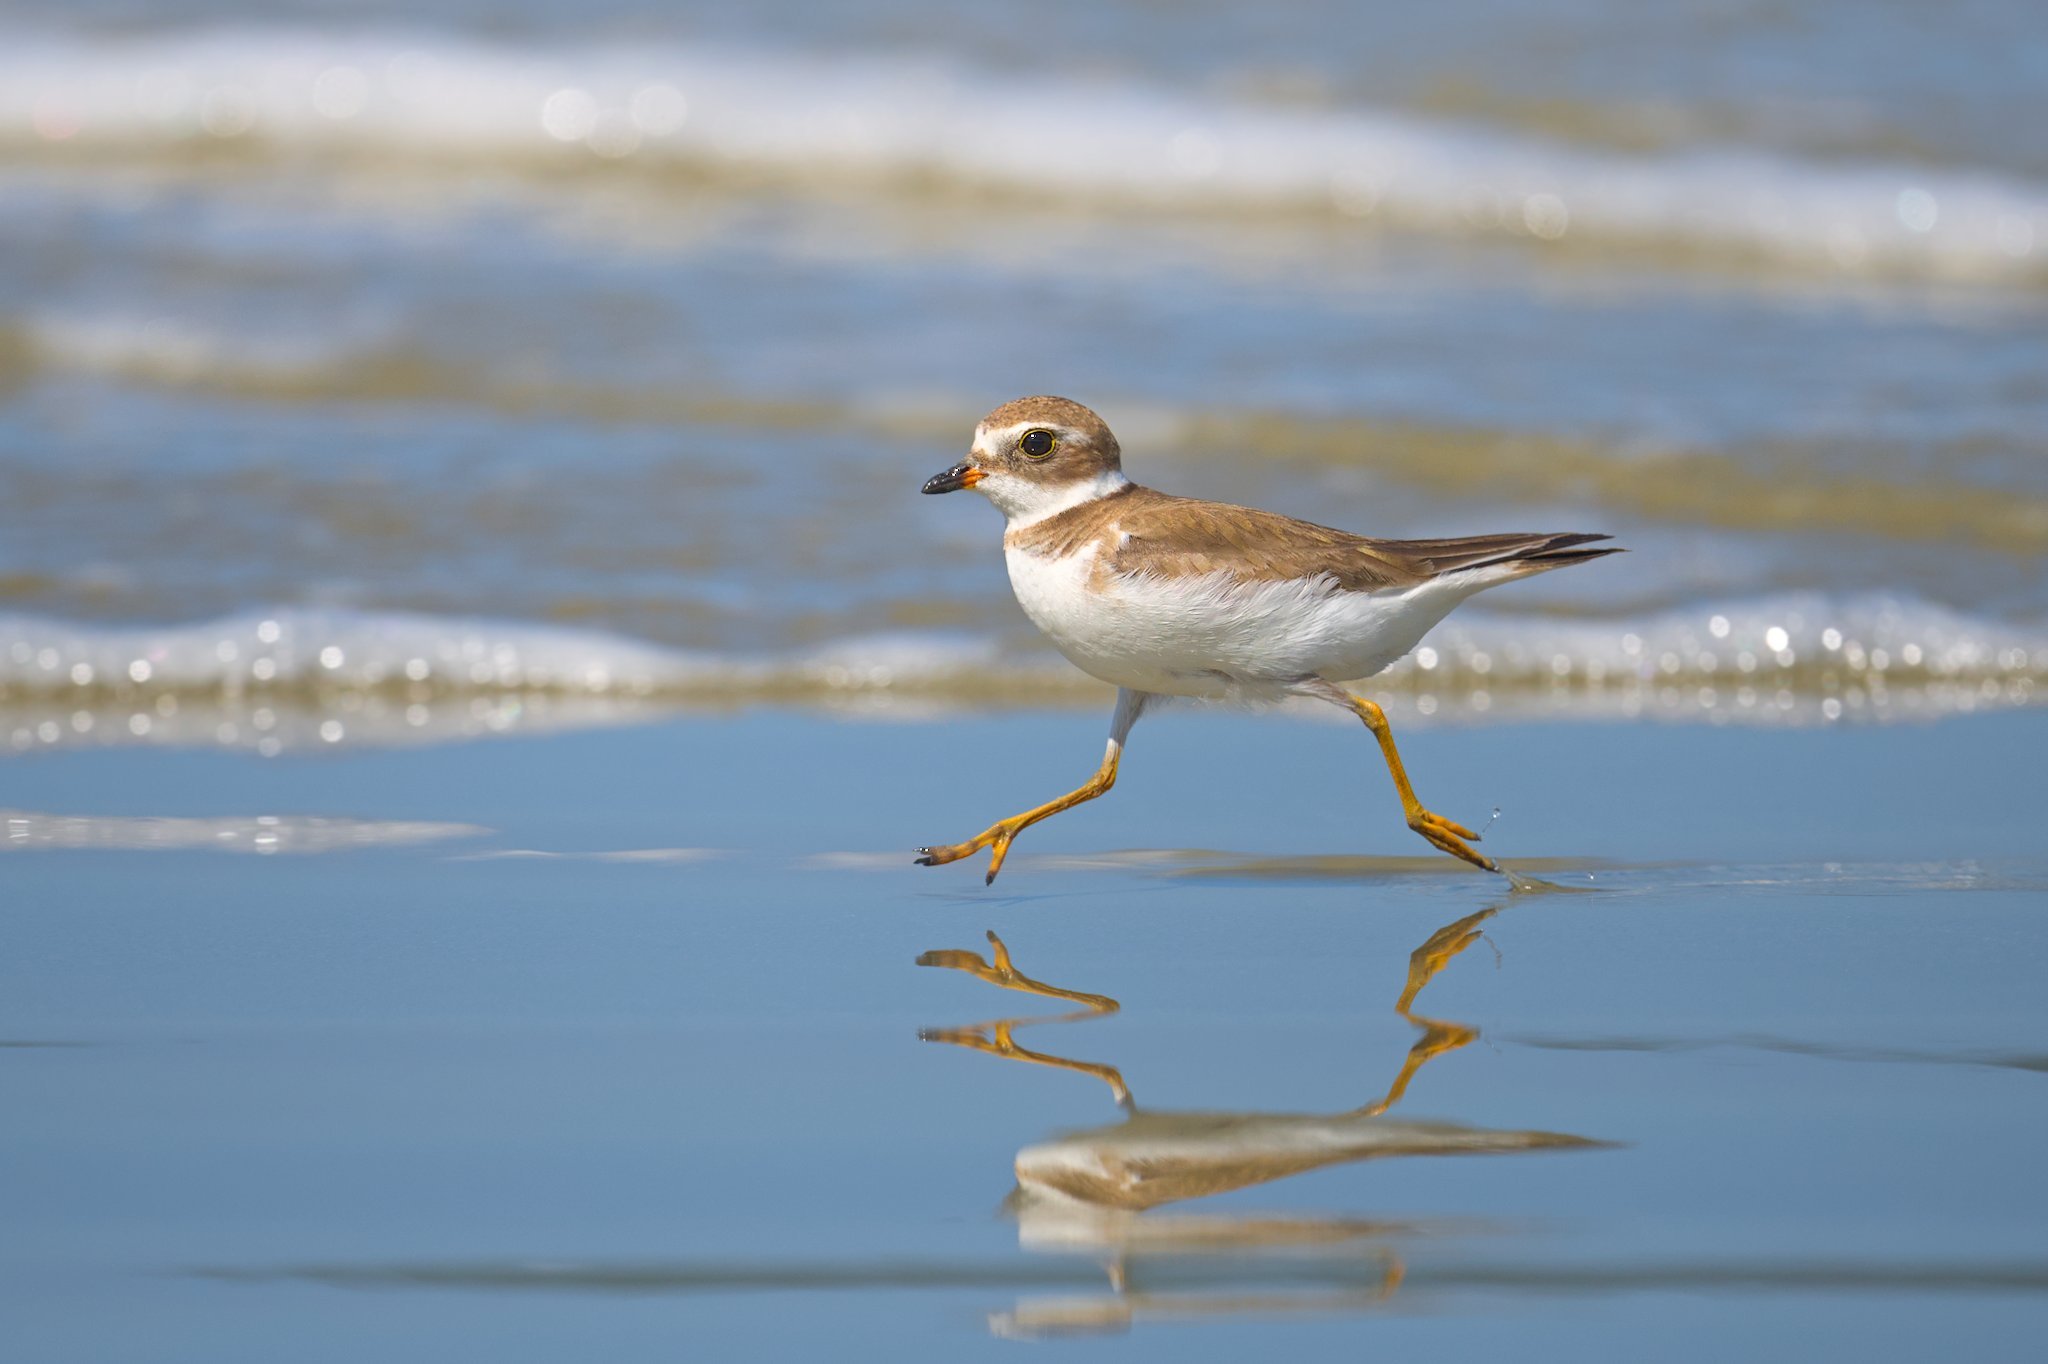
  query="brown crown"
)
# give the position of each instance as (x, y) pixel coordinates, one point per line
(1086, 445)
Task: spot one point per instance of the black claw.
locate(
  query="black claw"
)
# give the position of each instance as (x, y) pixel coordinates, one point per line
(989, 879)
(926, 859)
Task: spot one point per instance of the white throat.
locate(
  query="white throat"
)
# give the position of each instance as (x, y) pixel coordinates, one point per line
(1026, 502)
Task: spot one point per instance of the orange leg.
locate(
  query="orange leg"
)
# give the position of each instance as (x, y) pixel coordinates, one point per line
(999, 834)
(1442, 833)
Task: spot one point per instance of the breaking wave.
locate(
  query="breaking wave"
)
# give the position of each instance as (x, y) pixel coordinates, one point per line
(877, 124)
(315, 679)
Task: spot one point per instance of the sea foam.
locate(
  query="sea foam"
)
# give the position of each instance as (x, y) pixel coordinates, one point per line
(313, 679)
(882, 124)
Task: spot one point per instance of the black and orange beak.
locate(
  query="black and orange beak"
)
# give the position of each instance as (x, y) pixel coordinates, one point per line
(961, 475)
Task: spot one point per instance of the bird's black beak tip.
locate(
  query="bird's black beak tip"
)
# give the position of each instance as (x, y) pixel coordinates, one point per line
(962, 475)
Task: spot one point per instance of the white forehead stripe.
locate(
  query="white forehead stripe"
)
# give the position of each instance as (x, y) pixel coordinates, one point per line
(1004, 437)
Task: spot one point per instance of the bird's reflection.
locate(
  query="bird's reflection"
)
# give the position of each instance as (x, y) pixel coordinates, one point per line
(1438, 1036)
(1099, 1191)
(994, 1037)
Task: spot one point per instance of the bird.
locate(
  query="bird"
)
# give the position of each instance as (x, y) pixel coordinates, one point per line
(1169, 597)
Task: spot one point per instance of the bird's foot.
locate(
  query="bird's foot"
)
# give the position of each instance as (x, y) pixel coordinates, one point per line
(996, 836)
(1450, 837)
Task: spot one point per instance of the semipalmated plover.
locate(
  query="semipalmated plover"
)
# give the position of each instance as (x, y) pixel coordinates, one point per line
(1168, 596)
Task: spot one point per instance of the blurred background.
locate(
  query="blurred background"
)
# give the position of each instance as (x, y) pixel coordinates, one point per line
(379, 373)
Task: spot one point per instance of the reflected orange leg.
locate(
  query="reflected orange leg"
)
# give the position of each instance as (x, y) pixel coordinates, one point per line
(1441, 832)
(1447, 942)
(995, 1037)
(1438, 1036)
(1004, 973)
(999, 834)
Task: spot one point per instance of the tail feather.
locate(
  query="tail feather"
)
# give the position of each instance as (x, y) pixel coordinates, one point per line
(1555, 558)
(1520, 553)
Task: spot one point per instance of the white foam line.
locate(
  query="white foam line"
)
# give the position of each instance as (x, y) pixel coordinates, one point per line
(311, 680)
(344, 650)
(338, 650)
(870, 120)
(29, 830)
(633, 855)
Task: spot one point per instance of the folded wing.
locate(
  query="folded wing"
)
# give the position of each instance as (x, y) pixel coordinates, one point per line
(1159, 536)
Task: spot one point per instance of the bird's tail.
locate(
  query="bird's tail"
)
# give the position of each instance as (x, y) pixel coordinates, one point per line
(1509, 555)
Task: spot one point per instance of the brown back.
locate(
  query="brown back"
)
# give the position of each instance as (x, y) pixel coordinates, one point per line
(1146, 533)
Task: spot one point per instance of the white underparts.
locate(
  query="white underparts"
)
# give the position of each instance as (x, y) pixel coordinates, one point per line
(1212, 635)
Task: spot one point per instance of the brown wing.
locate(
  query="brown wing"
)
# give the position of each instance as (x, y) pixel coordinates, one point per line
(1172, 537)
(1162, 536)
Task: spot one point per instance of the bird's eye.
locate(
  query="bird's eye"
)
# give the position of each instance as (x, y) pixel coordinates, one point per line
(1037, 444)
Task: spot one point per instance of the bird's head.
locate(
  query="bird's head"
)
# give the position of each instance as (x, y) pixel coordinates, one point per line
(1037, 457)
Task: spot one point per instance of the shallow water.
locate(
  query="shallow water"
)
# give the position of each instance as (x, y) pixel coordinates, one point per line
(618, 1057)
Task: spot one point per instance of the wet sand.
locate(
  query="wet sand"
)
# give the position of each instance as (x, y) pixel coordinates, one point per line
(620, 1037)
